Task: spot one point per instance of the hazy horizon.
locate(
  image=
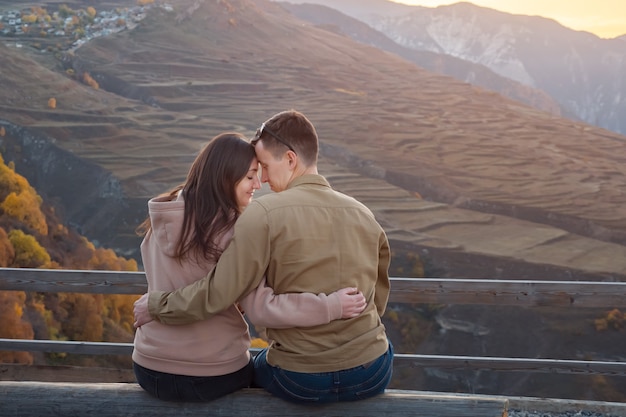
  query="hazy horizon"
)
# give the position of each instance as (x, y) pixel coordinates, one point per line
(604, 18)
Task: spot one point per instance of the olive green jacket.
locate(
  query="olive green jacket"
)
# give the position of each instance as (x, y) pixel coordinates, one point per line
(307, 238)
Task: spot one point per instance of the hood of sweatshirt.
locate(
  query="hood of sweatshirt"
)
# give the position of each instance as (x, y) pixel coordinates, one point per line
(166, 217)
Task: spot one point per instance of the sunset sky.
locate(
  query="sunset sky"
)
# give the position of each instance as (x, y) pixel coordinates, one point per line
(605, 18)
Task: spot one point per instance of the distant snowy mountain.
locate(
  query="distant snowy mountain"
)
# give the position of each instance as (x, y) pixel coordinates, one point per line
(466, 71)
(585, 74)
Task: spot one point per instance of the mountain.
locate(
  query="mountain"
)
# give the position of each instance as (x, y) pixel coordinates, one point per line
(583, 73)
(473, 183)
(475, 74)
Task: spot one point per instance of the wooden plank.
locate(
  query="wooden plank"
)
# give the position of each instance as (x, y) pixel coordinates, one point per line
(455, 363)
(487, 363)
(64, 373)
(66, 280)
(508, 292)
(60, 346)
(403, 290)
(103, 400)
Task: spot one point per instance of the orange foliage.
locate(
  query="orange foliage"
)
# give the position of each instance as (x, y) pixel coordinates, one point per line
(119, 308)
(20, 200)
(9, 180)
(7, 253)
(90, 81)
(258, 343)
(28, 252)
(26, 207)
(613, 319)
(80, 315)
(106, 260)
(92, 317)
(52, 103)
(12, 326)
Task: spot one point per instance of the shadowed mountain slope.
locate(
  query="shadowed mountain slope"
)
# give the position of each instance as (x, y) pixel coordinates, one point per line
(582, 72)
(477, 184)
(476, 74)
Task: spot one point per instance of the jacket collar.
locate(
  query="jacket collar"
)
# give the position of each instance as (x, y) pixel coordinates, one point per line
(309, 179)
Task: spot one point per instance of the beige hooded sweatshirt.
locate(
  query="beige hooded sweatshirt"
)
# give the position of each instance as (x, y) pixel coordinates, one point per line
(218, 345)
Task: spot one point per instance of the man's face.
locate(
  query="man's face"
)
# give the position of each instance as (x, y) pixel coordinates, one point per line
(274, 171)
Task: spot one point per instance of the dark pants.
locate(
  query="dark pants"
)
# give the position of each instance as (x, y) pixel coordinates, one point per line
(170, 387)
(357, 383)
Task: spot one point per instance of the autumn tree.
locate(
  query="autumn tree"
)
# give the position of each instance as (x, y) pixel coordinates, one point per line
(10, 181)
(87, 79)
(7, 253)
(106, 260)
(12, 326)
(24, 242)
(28, 252)
(118, 307)
(25, 206)
(80, 316)
(20, 200)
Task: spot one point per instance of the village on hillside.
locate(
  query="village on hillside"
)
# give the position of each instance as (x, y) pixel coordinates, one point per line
(67, 29)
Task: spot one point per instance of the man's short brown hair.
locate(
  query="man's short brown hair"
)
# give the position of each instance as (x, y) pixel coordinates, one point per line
(295, 131)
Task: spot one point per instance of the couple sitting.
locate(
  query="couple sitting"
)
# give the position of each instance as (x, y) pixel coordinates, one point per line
(307, 262)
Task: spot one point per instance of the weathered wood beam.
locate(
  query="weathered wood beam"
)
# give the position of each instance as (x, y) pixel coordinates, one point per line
(454, 363)
(64, 373)
(68, 280)
(403, 290)
(487, 363)
(62, 346)
(508, 292)
(27, 399)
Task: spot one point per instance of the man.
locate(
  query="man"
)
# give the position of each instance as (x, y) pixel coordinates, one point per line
(304, 237)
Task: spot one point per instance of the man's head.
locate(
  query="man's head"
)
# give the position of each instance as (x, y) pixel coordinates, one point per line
(286, 146)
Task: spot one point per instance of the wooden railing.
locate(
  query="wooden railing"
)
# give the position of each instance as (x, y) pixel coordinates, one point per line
(565, 294)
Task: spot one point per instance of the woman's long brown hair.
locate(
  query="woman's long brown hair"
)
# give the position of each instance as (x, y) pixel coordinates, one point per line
(211, 206)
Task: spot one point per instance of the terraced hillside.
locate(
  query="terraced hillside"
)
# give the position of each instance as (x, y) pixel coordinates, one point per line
(478, 184)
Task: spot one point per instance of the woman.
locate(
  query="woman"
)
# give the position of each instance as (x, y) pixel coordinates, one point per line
(185, 233)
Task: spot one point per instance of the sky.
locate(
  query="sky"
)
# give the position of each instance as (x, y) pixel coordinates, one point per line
(605, 18)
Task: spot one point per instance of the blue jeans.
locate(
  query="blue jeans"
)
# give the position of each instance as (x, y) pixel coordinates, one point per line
(352, 384)
(171, 387)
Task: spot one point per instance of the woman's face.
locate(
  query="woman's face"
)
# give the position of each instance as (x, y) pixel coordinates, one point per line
(244, 189)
